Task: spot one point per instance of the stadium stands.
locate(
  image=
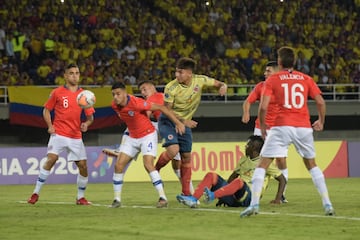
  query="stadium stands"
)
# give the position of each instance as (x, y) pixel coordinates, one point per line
(135, 40)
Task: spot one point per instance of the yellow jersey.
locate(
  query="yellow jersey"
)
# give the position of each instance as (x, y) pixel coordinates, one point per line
(186, 99)
(246, 167)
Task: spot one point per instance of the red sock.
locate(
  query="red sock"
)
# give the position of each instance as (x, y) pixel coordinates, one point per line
(229, 189)
(162, 161)
(208, 181)
(185, 173)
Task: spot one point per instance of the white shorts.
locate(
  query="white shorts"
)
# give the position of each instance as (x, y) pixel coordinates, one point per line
(279, 138)
(146, 145)
(74, 147)
(126, 136)
(156, 125)
(257, 131)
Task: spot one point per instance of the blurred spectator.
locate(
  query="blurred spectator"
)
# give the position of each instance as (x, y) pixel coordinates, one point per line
(17, 41)
(2, 39)
(302, 63)
(130, 78)
(130, 49)
(42, 73)
(24, 80)
(9, 48)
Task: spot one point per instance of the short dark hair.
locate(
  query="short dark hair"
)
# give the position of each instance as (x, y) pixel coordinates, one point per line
(287, 57)
(71, 65)
(271, 64)
(145, 81)
(118, 85)
(186, 63)
(257, 142)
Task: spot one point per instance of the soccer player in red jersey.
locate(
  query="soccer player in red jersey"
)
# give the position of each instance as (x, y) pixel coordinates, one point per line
(149, 93)
(142, 137)
(66, 132)
(292, 125)
(255, 95)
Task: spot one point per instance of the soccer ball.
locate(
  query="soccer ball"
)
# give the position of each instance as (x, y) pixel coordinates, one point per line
(86, 99)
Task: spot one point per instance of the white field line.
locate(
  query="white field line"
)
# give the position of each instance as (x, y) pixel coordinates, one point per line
(209, 210)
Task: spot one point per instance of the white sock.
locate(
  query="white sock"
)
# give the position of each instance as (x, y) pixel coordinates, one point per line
(285, 172)
(158, 184)
(319, 182)
(177, 173)
(117, 185)
(191, 187)
(81, 183)
(257, 185)
(43, 175)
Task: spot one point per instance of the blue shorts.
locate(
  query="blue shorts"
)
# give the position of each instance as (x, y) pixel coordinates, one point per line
(170, 136)
(241, 198)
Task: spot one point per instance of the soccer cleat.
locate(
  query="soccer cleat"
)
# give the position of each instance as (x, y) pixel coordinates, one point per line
(82, 201)
(162, 203)
(209, 196)
(329, 210)
(111, 152)
(33, 199)
(283, 199)
(189, 201)
(115, 204)
(251, 210)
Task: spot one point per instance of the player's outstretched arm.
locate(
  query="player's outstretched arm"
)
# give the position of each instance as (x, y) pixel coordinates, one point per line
(85, 125)
(47, 119)
(264, 103)
(180, 127)
(318, 125)
(221, 86)
(246, 111)
(189, 123)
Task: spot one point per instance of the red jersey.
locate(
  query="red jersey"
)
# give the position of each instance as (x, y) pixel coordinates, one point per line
(157, 98)
(291, 90)
(254, 96)
(135, 117)
(67, 119)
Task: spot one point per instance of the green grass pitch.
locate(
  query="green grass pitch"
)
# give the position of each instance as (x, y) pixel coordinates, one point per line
(56, 216)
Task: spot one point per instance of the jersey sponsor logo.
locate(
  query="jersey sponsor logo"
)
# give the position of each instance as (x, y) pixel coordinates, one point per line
(145, 104)
(131, 113)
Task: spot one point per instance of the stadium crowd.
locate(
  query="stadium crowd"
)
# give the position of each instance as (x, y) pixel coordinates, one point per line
(132, 41)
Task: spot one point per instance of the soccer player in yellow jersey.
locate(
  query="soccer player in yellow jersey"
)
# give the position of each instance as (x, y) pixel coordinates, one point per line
(183, 96)
(235, 192)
